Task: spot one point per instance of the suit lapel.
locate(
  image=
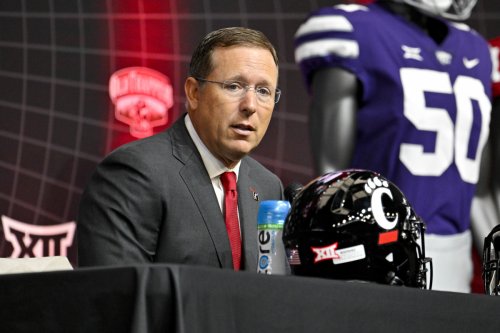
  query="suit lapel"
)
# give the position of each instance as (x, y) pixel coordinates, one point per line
(248, 207)
(199, 185)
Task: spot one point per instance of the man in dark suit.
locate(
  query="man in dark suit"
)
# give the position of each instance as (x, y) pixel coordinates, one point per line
(160, 199)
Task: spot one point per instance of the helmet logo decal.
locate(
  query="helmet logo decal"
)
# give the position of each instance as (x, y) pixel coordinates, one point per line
(325, 253)
(378, 188)
(341, 256)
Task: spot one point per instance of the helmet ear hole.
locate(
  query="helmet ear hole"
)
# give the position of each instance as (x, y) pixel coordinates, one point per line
(355, 225)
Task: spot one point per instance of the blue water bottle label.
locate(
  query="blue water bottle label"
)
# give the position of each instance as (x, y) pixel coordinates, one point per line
(270, 221)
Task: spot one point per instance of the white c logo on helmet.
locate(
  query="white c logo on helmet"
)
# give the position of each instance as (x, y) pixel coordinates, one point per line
(378, 209)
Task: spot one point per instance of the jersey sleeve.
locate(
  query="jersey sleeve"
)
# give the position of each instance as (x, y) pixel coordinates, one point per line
(495, 59)
(329, 37)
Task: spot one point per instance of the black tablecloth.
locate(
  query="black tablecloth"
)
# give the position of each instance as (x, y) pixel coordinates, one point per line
(176, 298)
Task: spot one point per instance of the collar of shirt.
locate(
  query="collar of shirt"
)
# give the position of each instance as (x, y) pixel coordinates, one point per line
(213, 166)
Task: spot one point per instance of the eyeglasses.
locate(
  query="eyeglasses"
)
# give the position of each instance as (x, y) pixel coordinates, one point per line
(237, 89)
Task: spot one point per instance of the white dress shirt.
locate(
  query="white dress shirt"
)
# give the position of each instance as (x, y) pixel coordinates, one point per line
(213, 166)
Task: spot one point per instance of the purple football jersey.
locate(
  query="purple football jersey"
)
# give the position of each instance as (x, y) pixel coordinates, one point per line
(423, 119)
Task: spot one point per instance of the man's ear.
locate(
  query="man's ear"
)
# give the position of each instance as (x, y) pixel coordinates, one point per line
(191, 89)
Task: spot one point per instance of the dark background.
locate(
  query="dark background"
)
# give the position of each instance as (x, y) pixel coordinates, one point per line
(56, 57)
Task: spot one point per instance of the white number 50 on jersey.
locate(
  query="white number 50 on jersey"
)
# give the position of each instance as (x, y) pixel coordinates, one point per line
(452, 140)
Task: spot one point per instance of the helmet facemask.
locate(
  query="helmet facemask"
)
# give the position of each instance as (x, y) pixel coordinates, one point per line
(491, 262)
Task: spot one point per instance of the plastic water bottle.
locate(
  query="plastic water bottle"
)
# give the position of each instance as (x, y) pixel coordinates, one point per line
(270, 220)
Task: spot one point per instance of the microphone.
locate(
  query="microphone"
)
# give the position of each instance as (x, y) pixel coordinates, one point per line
(292, 190)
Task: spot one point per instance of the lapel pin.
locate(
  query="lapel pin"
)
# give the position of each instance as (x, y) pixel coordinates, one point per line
(254, 194)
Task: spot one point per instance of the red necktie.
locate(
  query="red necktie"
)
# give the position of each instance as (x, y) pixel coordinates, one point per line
(228, 180)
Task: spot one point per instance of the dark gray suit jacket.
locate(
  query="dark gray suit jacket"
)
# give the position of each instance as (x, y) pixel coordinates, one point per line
(152, 201)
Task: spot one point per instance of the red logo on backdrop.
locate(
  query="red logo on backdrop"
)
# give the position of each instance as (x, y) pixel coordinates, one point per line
(495, 58)
(30, 240)
(142, 97)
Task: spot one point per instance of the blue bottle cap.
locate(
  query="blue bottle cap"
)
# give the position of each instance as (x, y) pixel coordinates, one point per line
(273, 211)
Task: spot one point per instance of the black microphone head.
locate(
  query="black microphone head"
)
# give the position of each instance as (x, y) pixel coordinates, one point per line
(292, 190)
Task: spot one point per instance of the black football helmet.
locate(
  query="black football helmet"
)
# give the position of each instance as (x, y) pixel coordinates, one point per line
(356, 225)
(491, 262)
(450, 9)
